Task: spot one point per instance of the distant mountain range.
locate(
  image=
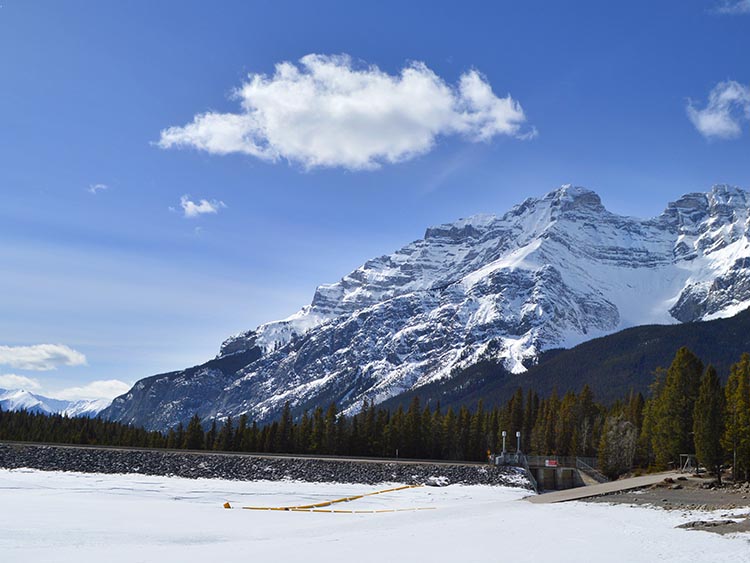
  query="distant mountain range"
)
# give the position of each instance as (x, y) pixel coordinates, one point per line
(502, 291)
(19, 399)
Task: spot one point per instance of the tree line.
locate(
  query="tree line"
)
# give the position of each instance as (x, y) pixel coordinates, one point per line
(687, 411)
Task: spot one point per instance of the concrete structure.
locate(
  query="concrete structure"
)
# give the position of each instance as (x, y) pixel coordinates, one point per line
(602, 488)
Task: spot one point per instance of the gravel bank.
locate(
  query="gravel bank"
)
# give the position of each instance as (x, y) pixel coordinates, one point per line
(693, 495)
(247, 467)
(686, 493)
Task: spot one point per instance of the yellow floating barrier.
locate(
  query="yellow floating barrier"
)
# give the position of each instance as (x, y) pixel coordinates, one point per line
(378, 511)
(318, 505)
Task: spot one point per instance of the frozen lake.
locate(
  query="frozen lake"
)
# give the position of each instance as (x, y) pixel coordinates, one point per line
(60, 517)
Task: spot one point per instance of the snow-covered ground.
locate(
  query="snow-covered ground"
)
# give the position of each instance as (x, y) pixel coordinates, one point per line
(54, 516)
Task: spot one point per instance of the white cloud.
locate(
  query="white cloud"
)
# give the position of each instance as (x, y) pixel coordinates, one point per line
(95, 188)
(12, 381)
(102, 389)
(734, 7)
(192, 209)
(728, 106)
(40, 357)
(326, 113)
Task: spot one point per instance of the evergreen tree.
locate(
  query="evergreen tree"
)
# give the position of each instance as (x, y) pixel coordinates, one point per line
(225, 439)
(317, 445)
(463, 424)
(708, 422)
(553, 408)
(566, 424)
(588, 413)
(284, 435)
(194, 436)
(211, 436)
(240, 436)
(737, 434)
(529, 417)
(329, 430)
(673, 408)
(171, 439)
(394, 434)
(450, 436)
(476, 443)
(179, 438)
(515, 412)
(305, 434)
(412, 444)
(651, 412)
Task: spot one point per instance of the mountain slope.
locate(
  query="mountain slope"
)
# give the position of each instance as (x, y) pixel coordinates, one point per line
(611, 365)
(553, 271)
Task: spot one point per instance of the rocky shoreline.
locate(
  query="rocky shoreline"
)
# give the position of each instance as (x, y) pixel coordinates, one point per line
(247, 467)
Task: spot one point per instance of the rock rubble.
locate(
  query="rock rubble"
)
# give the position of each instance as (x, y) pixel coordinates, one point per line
(247, 467)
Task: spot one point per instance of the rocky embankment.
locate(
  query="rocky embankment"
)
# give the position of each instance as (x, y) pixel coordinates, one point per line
(245, 467)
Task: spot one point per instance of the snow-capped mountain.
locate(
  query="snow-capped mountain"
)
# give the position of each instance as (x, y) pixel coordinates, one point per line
(551, 272)
(20, 399)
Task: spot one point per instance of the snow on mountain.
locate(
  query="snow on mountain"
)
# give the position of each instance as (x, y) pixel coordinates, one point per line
(20, 399)
(553, 271)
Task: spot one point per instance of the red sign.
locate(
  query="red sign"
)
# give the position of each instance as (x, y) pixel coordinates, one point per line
(550, 463)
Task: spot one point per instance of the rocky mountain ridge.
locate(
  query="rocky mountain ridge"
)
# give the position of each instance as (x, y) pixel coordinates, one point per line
(553, 271)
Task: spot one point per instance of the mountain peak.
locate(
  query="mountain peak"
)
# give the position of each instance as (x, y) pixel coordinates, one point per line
(724, 203)
(725, 194)
(575, 197)
(553, 271)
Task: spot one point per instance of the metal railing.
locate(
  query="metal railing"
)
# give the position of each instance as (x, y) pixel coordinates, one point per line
(590, 471)
(562, 461)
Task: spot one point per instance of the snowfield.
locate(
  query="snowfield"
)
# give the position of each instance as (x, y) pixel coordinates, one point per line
(60, 517)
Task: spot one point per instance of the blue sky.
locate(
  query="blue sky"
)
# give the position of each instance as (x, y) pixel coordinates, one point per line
(132, 248)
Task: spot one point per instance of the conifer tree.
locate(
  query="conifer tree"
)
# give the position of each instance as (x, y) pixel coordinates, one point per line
(529, 417)
(317, 445)
(240, 439)
(413, 429)
(171, 439)
(565, 424)
(284, 435)
(225, 439)
(516, 412)
(426, 444)
(437, 433)
(179, 439)
(550, 418)
(651, 412)
(708, 422)
(737, 433)
(463, 424)
(477, 441)
(329, 430)
(673, 408)
(211, 436)
(450, 435)
(305, 434)
(587, 415)
(194, 435)
(394, 434)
